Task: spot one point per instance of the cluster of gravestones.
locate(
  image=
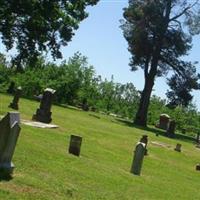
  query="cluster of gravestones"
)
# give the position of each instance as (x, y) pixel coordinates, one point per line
(10, 130)
(43, 113)
(10, 126)
(170, 125)
(141, 151)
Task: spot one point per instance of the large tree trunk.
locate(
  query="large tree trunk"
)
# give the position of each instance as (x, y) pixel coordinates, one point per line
(141, 115)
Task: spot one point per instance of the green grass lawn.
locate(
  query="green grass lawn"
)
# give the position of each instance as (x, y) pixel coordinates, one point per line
(45, 170)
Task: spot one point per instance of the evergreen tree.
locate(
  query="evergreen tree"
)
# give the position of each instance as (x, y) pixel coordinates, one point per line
(157, 41)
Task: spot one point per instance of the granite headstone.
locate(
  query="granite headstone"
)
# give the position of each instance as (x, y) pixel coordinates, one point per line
(138, 158)
(15, 101)
(43, 114)
(164, 121)
(171, 129)
(144, 140)
(178, 147)
(9, 133)
(75, 145)
(198, 167)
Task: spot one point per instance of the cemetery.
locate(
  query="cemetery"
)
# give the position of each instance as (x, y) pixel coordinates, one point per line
(99, 100)
(44, 168)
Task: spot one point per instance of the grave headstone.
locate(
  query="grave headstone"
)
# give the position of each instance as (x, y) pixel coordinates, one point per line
(43, 114)
(164, 121)
(198, 167)
(75, 145)
(178, 147)
(144, 140)
(15, 101)
(138, 158)
(11, 88)
(10, 129)
(171, 129)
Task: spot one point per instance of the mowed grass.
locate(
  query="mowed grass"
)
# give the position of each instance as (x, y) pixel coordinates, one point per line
(45, 170)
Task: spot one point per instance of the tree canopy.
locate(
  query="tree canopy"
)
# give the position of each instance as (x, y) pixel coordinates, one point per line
(159, 33)
(34, 26)
(76, 83)
(180, 89)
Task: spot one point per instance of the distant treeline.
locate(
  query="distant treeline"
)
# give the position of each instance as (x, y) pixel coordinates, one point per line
(77, 84)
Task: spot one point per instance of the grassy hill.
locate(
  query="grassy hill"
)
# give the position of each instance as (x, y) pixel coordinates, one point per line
(44, 169)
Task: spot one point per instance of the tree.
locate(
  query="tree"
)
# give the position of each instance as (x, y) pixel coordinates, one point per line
(35, 26)
(179, 95)
(157, 41)
(107, 93)
(3, 61)
(5, 72)
(125, 99)
(156, 107)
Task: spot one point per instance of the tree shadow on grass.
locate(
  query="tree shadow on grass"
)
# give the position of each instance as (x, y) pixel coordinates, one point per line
(67, 106)
(158, 132)
(95, 116)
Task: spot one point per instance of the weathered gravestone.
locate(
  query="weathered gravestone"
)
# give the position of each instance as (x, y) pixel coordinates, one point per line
(198, 167)
(178, 147)
(171, 129)
(15, 101)
(9, 132)
(11, 88)
(75, 145)
(138, 158)
(163, 121)
(43, 114)
(144, 140)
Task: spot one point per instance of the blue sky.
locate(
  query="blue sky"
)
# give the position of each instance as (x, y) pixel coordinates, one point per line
(100, 38)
